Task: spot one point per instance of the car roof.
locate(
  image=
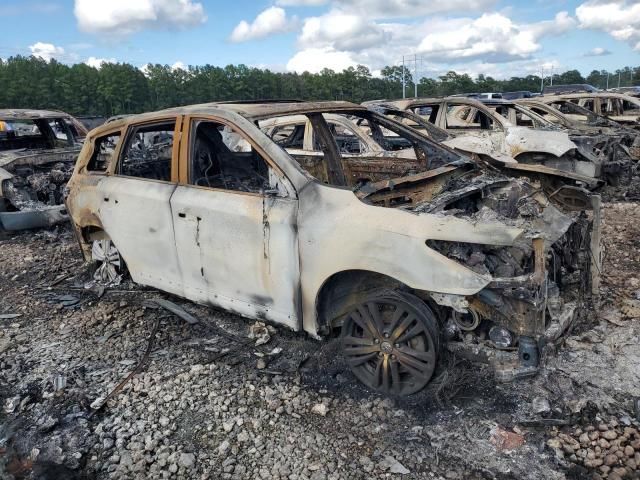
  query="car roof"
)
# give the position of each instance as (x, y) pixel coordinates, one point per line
(599, 94)
(251, 111)
(496, 101)
(28, 114)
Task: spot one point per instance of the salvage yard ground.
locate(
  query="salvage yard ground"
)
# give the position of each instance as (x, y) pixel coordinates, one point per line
(209, 403)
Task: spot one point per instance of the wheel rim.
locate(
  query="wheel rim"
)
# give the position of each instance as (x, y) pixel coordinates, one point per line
(389, 347)
(106, 255)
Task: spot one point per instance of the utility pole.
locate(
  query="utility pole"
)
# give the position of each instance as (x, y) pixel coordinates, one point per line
(552, 76)
(415, 76)
(403, 81)
(607, 81)
(541, 79)
(619, 73)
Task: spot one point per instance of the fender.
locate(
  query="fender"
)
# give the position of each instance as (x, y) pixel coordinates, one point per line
(338, 232)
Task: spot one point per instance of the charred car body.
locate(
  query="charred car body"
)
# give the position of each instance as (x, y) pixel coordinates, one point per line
(610, 159)
(621, 108)
(38, 150)
(553, 180)
(391, 251)
(619, 145)
(477, 128)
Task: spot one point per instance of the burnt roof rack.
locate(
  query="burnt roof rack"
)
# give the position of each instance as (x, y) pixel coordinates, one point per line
(253, 102)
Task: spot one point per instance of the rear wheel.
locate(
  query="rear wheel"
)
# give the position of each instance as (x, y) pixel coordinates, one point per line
(110, 265)
(391, 343)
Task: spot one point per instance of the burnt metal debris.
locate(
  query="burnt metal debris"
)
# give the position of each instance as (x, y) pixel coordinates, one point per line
(38, 150)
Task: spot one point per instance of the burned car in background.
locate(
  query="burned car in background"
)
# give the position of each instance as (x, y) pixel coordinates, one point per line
(38, 150)
(394, 254)
(619, 144)
(611, 161)
(550, 178)
(474, 127)
(621, 108)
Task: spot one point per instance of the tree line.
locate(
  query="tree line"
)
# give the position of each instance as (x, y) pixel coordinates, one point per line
(118, 88)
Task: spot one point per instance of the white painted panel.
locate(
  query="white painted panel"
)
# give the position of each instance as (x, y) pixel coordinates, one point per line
(136, 214)
(239, 251)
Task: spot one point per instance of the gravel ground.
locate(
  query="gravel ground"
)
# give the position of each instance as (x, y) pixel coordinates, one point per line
(208, 403)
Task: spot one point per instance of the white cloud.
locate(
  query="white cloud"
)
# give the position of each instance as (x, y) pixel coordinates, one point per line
(47, 51)
(124, 17)
(301, 3)
(341, 31)
(178, 66)
(268, 22)
(315, 59)
(339, 38)
(97, 62)
(397, 8)
(492, 37)
(618, 18)
(597, 52)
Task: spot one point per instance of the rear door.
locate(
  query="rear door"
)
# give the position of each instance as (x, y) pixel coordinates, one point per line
(234, 215)
(134, 203)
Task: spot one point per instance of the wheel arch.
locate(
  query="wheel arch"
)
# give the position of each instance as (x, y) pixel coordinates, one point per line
(346, 288)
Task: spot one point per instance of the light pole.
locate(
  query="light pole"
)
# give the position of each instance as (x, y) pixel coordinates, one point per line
(403, 81)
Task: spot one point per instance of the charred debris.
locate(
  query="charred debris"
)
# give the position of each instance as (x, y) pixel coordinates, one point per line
(38, 150)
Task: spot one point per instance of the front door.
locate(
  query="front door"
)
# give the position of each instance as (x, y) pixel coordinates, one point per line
(235, 226)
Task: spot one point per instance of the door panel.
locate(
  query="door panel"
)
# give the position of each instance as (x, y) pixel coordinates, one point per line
(238, 251)
(136, 214)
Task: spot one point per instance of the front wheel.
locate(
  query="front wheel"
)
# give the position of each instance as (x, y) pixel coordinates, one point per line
(391, 342)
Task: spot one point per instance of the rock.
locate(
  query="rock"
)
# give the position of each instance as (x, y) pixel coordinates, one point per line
(5, 343)
(228, 425)
(540, 405)
(505, 440)
(126, 460)
(593, 463)
(394, 466)
(261, 364)
(173, 468)
(107, 443)
(610, 459)
(164, 421)
(243, 436)
(366, 463)
(224, 447)
(610, 435)
(187, 460)
(629, 451)
(320, 409)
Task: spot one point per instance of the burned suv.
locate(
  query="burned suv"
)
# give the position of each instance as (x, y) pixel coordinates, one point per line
(38, 150)
(395, 254)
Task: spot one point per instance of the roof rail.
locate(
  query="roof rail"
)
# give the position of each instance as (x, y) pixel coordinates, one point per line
(273, 100)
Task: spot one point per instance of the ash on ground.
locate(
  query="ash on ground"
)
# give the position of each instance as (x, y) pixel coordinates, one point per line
(212, 401)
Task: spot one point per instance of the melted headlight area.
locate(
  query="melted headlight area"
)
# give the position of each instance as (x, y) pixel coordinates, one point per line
(530, 300)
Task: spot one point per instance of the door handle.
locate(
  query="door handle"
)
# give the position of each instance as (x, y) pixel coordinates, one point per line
(182, 215)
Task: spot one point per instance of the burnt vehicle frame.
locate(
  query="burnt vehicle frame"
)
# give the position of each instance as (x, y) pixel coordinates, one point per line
(38, 150)
(475, 127)
(619, 144)
(299, 247)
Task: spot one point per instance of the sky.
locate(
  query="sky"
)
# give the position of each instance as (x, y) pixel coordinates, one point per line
(492, 37)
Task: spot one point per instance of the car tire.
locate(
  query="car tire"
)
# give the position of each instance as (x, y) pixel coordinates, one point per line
(391, 342)
(110, 266)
